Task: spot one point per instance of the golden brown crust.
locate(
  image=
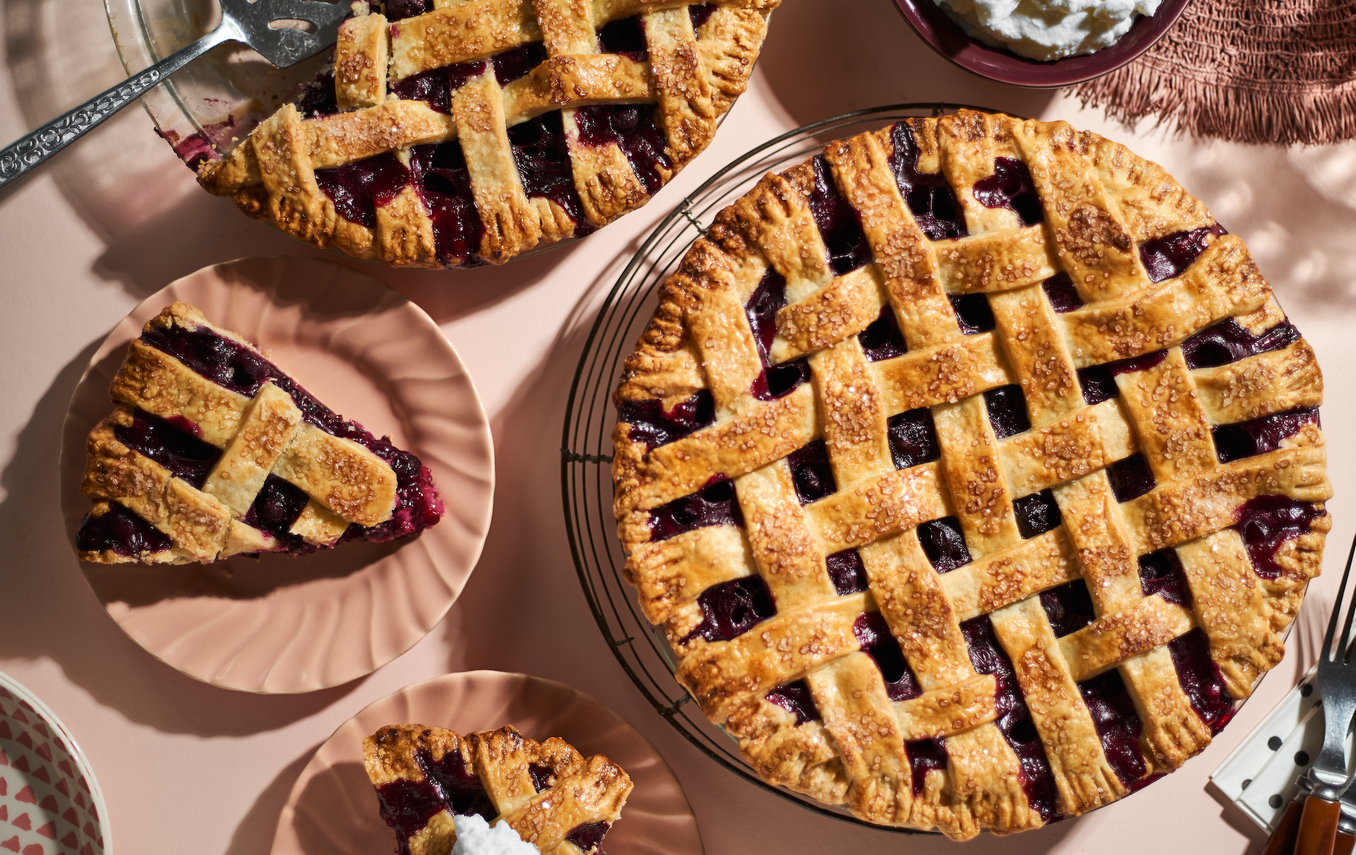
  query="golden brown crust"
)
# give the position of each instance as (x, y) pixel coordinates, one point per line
(692, 77)
(574, 790)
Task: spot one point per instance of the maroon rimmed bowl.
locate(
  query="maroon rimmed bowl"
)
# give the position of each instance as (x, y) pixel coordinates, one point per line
(946, 38)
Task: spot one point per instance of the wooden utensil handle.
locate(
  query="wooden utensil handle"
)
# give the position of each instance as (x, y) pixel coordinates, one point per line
(1282, 840)
(1318, 827)
(1344, 844)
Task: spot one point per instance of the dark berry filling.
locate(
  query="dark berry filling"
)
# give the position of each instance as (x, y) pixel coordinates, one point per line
(240, 369)
(1131, 477)
(700, 13)
(913, 438)
(1062, 293)
(847, 572)
(924, 756)
(358, 189)
(121, 532)
(811, 473)
(398, 10)
(541, 775)
(714, 504)
(1036, 514)
(625, 37)
(1228, 341)
(276, 509)
(1069, 607)
(732, 608)
(1258, 436)
(837, 221)
(635, 129)
(318, 98)
(1010, 187)
(183, 454)
(436, 85)
(1266, 522)
(778, 381)
(656, 426)
(944, 544)
(762, 307)
(519, 62)
(1161, 573)
(1098, 382)
(1168, 257)
(1117, 723)
(928, 195)
(795, 698)
(1007, 410)
(408, 805)
(446, 183)
(1201, 680)
(588, 836)
(882, 339)
(873, 634)
(543, 160)
(1014, 719)
(973, 313)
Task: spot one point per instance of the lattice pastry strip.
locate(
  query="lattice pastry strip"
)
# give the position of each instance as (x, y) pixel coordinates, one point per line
(977, 411)
(475, 131)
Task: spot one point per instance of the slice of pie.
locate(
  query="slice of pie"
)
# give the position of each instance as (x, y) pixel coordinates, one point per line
(450, 133)
(973, 472)
(551, 795)
(213, 451)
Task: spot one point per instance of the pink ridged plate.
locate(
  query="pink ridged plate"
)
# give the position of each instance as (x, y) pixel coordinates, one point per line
(50, 801)
(279, 623)
(333, 809)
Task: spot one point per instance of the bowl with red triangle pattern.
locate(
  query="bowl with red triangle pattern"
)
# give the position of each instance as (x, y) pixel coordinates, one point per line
(50, 802)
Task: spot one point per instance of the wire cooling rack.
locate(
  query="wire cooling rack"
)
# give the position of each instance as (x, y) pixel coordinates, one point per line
(586, 444)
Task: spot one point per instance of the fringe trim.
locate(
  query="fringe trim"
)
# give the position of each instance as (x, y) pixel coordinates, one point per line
(1294, 84)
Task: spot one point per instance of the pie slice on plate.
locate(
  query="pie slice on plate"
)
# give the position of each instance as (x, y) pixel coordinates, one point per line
(430, 780)
(214, 451)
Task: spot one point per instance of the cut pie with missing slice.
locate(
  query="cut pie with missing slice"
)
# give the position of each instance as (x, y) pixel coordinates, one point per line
(555, 798)
(214, 451)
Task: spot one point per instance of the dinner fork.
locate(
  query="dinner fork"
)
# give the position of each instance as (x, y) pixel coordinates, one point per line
(268, 26)
(1318, 825)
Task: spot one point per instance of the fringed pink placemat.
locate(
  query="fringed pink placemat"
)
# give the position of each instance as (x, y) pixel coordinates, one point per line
(1257, 71)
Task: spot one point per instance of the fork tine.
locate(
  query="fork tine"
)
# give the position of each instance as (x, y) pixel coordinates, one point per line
(1328, 654)
(1344, 651)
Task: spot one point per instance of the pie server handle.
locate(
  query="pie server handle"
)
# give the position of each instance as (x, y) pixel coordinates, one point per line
(31, 150)
(1316, 833)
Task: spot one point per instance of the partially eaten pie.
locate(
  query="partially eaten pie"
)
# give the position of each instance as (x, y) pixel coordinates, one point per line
(455, 133)
(213, 451)
(973, 473)
(555, 798)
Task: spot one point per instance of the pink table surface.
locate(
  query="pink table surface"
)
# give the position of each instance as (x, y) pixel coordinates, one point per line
(189, 767)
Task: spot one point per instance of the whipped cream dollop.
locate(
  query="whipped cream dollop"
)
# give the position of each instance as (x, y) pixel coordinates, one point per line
(475, 836)
(1047, 29)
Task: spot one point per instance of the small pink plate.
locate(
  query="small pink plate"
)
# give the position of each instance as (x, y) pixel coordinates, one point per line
(50, 802)
(333, 809)
(278, 623)
(943, 35)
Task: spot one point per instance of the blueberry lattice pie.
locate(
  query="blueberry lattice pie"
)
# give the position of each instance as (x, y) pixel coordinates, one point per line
(973, 473)
(429, 778)
(452, 133)
(213, 451)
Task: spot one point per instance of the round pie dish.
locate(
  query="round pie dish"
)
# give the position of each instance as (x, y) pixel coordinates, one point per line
(333, 807)
(971, 472)
(279, 623)
(946, 38)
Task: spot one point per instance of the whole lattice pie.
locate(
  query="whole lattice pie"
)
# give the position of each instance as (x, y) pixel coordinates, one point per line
(973, 473)
(473, 131)
(213, 451)
(554, 798)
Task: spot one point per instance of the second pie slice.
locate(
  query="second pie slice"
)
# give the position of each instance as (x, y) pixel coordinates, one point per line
(214, 451)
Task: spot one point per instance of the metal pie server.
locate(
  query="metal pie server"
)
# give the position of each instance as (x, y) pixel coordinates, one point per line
(268, 26)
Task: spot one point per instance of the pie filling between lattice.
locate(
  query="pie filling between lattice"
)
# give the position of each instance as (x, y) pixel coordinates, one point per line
(973, 473)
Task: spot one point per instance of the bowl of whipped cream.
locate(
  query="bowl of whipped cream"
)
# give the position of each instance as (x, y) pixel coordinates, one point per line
(1041, 43)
